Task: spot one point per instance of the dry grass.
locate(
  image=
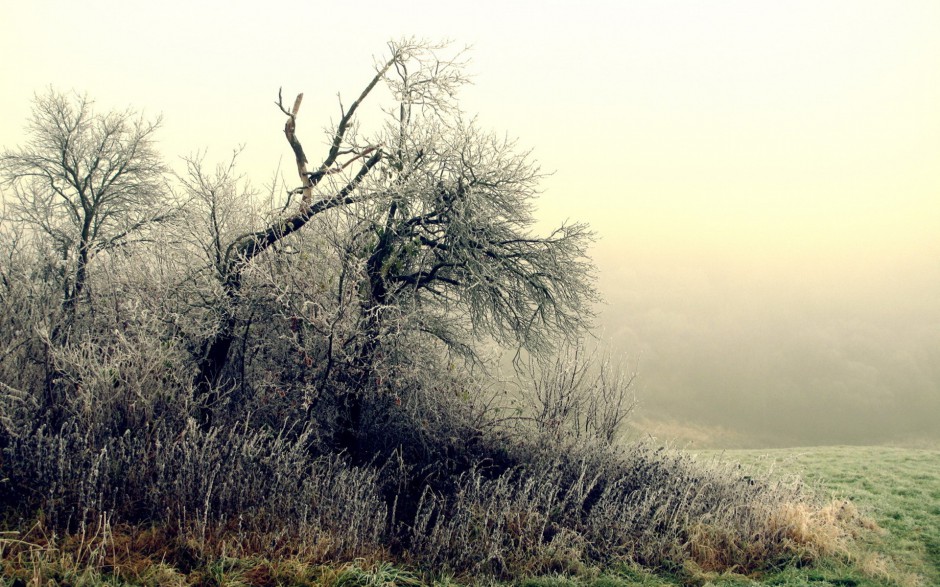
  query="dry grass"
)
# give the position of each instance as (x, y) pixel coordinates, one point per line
(883, 498)
(638, 504)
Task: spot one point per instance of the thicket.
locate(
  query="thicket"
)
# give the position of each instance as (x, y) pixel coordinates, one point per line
(307, 371)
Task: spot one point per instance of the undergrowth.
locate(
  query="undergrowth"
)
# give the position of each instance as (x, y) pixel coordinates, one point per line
(593, 507)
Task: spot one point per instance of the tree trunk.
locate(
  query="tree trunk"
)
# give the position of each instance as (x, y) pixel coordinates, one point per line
(215, 353)
(210, 367)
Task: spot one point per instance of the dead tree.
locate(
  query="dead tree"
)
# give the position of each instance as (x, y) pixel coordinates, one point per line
(240, 253)
(441, 214)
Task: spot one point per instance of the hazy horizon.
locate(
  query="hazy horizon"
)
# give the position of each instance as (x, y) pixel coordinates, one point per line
(762, 176)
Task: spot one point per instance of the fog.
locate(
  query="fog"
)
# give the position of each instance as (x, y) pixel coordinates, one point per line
(762, 176)
(738, 354)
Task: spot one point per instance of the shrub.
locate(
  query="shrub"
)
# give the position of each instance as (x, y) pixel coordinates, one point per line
(592, 503)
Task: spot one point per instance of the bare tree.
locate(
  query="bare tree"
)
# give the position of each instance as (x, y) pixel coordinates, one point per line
(218, 206)
(444, 229)
(86, 181)
(439, 218)
(580, 393)
(449, 233)
(242, 250)
(453, 236)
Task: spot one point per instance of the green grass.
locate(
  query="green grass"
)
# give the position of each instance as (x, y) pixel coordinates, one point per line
(897, 489)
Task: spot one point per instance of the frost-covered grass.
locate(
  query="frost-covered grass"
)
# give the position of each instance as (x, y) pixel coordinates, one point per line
(887, 498)
(898, 489)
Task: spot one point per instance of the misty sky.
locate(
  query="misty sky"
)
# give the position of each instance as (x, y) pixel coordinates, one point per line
(764, 177)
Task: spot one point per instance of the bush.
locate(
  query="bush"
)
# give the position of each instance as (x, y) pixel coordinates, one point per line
(592, 503)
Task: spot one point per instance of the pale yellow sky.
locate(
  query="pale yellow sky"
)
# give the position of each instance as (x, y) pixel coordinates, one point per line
(744, 159)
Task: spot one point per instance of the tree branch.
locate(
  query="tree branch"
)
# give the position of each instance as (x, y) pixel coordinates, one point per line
(246, 247)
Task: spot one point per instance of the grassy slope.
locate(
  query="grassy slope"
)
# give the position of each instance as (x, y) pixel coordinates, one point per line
(898, 488)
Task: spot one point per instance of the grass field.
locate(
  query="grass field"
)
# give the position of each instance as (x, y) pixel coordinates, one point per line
(895, 490)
